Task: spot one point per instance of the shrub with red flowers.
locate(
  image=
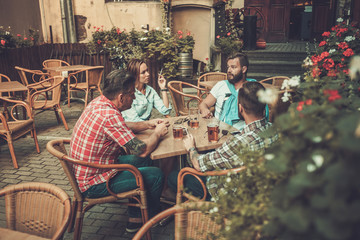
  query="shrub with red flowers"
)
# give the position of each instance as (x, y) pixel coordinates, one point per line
(123, 45)
(333, 53)
(185, 43)
(8, 40)
(306, 185)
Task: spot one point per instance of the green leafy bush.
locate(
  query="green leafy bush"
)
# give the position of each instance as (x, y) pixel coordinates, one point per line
(308, 186)
(123, 46)
(8, 40)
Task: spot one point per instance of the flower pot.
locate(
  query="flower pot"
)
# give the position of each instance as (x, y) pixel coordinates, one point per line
(186, 65)
(260, 43)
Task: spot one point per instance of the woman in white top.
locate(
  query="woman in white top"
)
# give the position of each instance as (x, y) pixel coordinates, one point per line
(146, 98)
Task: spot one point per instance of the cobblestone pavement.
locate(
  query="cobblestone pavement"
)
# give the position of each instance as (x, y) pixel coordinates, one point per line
(107, 221)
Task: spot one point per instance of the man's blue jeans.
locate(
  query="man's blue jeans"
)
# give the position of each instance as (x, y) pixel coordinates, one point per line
(191, 184)
(125, 181)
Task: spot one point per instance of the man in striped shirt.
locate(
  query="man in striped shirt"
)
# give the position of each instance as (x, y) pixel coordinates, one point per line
(229, 155)
(98, 137)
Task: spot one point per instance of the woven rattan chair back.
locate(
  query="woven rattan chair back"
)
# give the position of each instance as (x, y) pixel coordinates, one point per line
(4, 78)
(13, 127)
(54, 63)
(182, 100)
(40, 209)
(91, 82)
(275, 81)
(82, 204)
(183, 196)
(190, 222)
(212, 76)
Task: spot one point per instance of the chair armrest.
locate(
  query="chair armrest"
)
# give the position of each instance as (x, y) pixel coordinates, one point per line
(118, 167)
(191, 171)
(18, 103)
(34, 92)
(73, 76)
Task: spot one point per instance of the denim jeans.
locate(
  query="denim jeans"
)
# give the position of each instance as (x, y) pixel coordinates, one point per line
(125, 181)
(191, 184)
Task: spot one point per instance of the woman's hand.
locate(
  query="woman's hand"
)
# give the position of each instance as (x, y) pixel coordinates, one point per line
(162, 82)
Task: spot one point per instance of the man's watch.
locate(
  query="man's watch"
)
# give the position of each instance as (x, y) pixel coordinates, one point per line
(164, 90)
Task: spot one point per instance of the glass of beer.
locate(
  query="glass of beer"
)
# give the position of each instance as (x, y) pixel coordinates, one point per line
(194, 118)
(178, 131)
(213, 131)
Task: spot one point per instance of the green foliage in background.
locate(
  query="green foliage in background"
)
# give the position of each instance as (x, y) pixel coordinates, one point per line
(123, 46)
(8, 40)
(308, 185)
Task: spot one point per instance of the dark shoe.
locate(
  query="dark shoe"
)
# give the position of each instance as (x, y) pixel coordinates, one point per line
(133, 227)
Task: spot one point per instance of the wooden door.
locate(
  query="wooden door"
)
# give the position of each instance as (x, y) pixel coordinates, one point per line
(277, 18)
(322, 17)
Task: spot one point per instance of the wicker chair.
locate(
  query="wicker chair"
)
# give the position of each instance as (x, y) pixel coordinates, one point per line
(92, 82)
(54, 63)
(275, 81)
(211, 76)
(181, 194)
(58, 149)
(39, 97)
(40, 209)
(182, 100)
(4, 78)
(12, 127)
(190, 222)
(28, 76)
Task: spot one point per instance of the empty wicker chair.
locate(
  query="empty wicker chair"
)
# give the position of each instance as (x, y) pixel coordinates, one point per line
(181, 194)
(82, 204)
(180, 99)
(47, 98)
(92, 79)
(4, 78)
(12, 127)
(28, 76)
(54, 63)
(36, 208)
(190, 222)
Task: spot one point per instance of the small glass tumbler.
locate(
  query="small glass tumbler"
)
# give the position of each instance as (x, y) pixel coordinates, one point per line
(194, 115)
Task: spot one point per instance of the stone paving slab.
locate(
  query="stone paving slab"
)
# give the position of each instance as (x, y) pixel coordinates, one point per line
(107, 221)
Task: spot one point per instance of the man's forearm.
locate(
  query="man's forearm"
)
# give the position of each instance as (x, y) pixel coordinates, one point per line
(151, 143)
(203, 107)
(137, 126)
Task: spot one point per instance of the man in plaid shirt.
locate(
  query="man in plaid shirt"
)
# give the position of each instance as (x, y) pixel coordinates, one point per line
(98, 137)
(229, 156)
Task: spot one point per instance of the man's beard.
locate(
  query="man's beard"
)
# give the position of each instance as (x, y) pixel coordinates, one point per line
(237, 78)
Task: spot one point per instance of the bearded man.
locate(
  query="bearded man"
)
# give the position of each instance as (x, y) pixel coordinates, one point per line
(224, 94)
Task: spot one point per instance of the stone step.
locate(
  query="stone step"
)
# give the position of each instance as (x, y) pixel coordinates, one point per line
(276, 56)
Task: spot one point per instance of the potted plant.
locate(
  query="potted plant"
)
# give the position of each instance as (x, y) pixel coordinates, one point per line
(185, 46)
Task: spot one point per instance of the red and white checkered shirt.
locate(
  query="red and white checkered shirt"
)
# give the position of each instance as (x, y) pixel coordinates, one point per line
(97, 137)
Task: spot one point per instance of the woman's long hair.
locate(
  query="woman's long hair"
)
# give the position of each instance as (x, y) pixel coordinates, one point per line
(133, 67)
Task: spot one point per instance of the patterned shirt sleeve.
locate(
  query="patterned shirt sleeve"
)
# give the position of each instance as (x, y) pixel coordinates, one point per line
(224, 157)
